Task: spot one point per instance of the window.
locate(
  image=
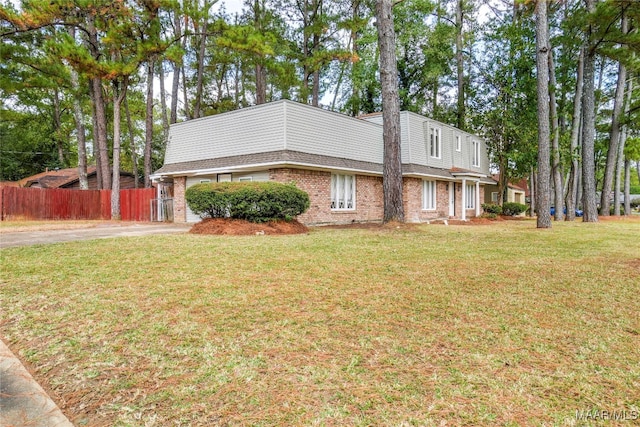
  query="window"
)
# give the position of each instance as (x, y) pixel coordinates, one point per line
(245, 178)
(458, 143)
(435, 143)
(475, 155)
(205, 181)
(470, 196)
(224, 177)
(343, 192)
(494, 197)
(428, 195)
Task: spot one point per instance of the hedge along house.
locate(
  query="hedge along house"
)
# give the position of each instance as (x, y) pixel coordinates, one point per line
(335, 158)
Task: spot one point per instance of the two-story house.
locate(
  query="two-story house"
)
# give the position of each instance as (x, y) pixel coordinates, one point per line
(335, 158)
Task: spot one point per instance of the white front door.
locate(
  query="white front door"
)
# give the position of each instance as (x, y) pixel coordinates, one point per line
(452, 199)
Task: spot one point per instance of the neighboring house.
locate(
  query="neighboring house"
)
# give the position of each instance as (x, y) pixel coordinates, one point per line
(335, 158)
(516, 192)
(69, 178)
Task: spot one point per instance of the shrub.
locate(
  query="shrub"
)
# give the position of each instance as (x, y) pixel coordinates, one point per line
(491, 208)
(251, 201)
(635, 203)
(513, 209)
(489, 215)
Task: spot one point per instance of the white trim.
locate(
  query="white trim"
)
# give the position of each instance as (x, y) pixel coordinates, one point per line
(472, 197)
(477, 198)
(343, 190)
(458, 142)
(429, 195)
(475, 153)
(434, 141)
(464, 198)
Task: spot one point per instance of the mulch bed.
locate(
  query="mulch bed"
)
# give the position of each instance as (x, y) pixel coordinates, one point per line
(238, 227)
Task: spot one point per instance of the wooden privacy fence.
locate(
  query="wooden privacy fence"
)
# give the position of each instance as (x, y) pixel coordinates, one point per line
(37, 203)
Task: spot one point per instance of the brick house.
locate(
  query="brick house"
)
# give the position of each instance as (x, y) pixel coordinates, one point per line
(335, 158)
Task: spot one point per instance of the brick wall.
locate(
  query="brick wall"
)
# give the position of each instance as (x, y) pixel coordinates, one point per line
(412, 196)
(179, 202)
(318, 185)
(369, 198)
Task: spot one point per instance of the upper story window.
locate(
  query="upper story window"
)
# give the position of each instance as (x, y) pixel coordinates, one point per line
(435, 142)
(343, 192)
(475, 153)
(458, 143)
(428, 195)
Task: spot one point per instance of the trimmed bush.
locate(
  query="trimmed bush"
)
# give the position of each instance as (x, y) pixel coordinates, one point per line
(635, 203)
(513, 209)
(251, 201)
(491, 208)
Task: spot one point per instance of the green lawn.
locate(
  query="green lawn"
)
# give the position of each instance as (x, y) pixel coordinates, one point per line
(497, 324)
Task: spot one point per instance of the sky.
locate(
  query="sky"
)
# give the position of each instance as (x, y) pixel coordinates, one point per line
(232, 6)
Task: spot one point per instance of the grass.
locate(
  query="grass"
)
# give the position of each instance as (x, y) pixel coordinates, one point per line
(483, 325)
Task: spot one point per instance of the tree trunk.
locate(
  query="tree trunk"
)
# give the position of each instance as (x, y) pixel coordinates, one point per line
(621, 145)
(261, 84)
(315, 91)
(148, 134)
(132, 143)
(588, 129)
(555, 143)
(460, 65)
(503, 180)
(197, 109)
(532, 192)
(77, 115)
(163, 101)
(614, 134)
(57, 127)
(119, 92)
(100, 132)
(260, 70)
(627, 187)
(542, 67)
(572, 192)
(94, 140)
(175, 85)
(392, 167)
(100, 117)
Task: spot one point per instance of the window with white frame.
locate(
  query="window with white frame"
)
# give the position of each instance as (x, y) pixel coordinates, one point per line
(245, 178)
(458, 143)
(428, 195)
(494, 197)
(470, 196)
(205, 181)
(475, 154)
(343, 192)
(435, 142)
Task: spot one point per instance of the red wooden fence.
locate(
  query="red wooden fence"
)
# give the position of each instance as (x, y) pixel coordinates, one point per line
(38, 203)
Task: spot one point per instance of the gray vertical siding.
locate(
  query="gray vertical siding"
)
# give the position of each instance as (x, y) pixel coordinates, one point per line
(297, 127)
(316, 131)
(246, 131)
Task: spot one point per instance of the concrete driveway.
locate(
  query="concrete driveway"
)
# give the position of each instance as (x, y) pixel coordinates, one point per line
(28, 237)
